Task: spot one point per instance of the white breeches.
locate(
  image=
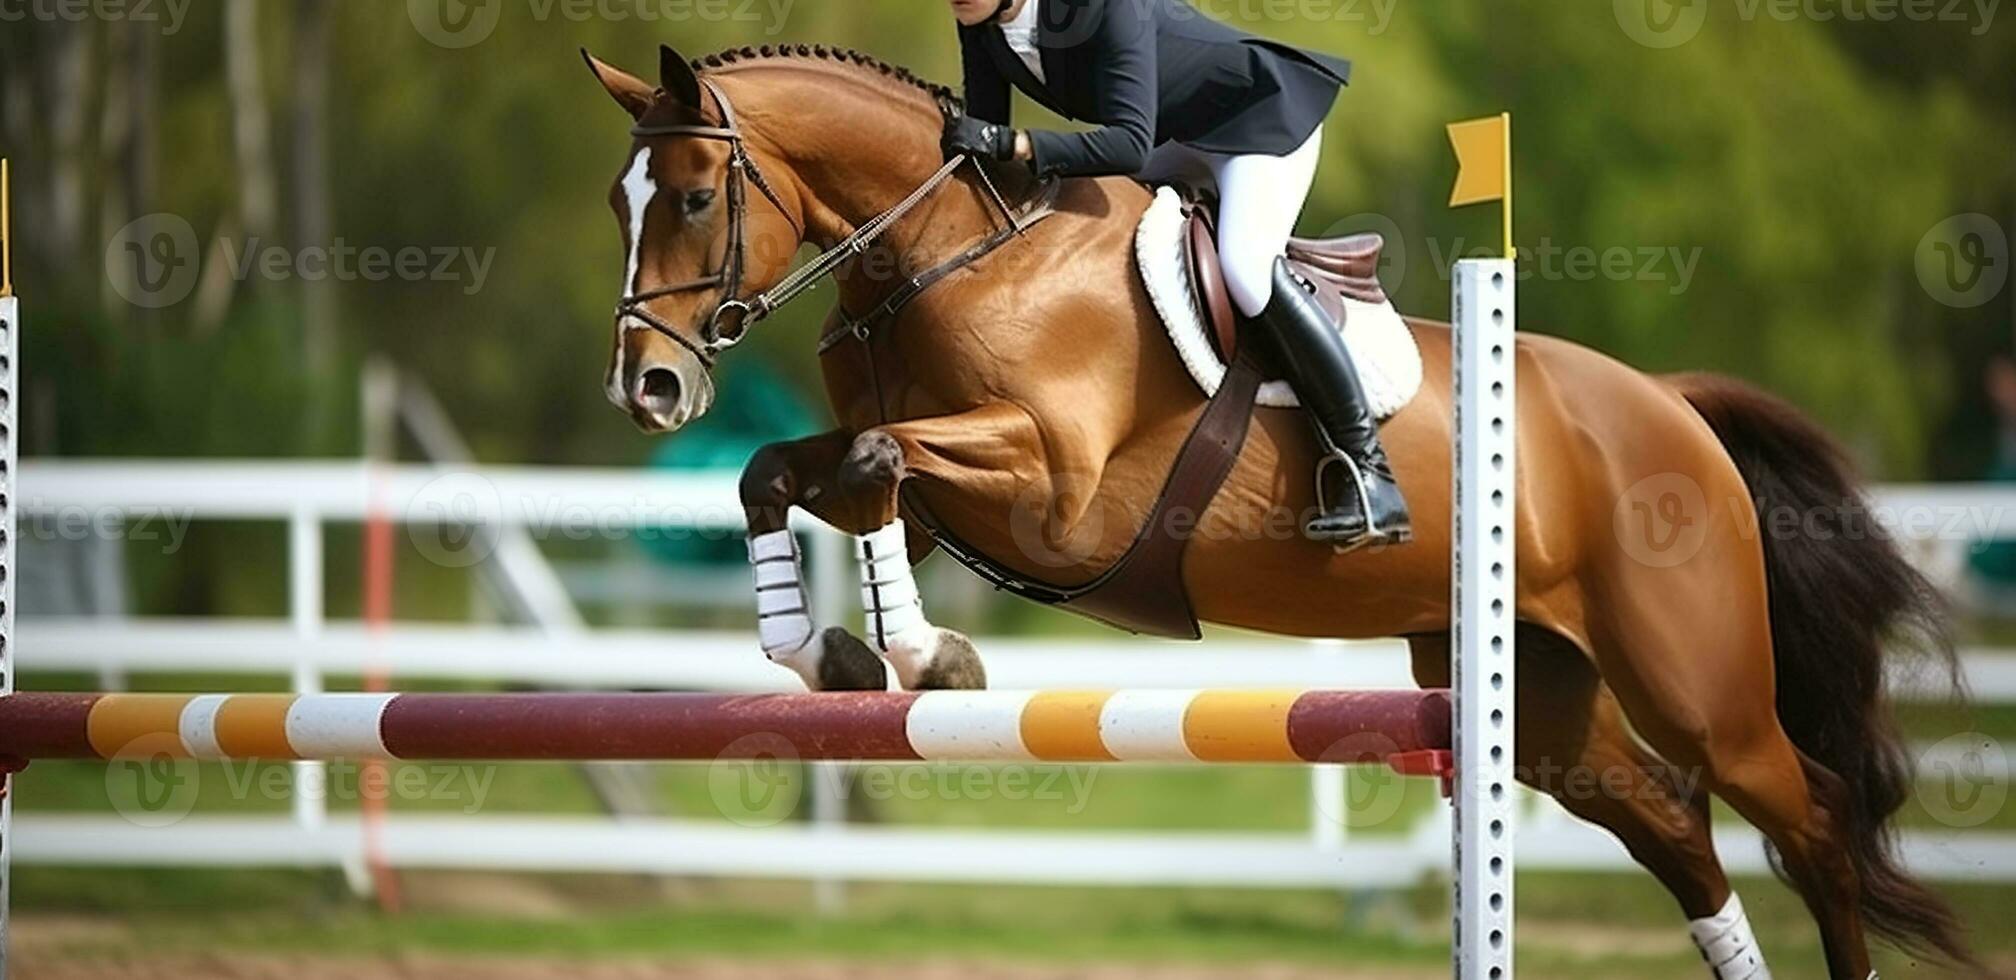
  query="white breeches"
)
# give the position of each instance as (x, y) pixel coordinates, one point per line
(1260, 197)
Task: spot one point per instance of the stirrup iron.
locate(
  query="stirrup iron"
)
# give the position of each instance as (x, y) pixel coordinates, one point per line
(1374, 534)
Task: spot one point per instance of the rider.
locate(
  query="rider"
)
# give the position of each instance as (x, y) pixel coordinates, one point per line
(1171, 91)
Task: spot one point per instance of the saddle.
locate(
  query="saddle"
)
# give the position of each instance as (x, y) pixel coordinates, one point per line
(1177, 260)
(1337, 267)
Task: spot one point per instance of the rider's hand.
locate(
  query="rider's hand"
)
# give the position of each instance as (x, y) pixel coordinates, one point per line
(978, 138)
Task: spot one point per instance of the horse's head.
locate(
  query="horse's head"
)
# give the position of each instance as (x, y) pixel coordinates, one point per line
(697, 244)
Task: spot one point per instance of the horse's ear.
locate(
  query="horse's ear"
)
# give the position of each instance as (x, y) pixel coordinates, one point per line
(629, 91)
(677, 78)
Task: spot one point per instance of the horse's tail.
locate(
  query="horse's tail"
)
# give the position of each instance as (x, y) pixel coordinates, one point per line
(1840, 593)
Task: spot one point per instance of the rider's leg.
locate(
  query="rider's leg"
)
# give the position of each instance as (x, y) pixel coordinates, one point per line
(1260, 198)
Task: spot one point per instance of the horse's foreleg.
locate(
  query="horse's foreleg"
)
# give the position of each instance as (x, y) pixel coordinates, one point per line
(926, 657)
(988, 443)
(778, 477)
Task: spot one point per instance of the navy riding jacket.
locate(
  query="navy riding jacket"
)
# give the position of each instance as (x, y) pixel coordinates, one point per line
(1147, 72)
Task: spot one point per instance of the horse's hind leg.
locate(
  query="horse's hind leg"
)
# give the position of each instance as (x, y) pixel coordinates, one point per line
(1695, 675)
(1574, 745)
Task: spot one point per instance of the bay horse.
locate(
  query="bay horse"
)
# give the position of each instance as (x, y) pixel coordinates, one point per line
(1678, 639)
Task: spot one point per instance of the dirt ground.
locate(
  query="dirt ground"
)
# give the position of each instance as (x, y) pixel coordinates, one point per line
(236, 967)
(60, 947)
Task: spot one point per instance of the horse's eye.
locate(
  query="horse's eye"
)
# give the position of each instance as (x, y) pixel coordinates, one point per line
(697, 201)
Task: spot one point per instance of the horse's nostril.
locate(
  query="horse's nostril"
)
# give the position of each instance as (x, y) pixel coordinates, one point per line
(658, 390)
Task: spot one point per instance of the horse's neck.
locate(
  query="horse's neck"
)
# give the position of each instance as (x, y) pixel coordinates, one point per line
(854, 149)
(853, 146)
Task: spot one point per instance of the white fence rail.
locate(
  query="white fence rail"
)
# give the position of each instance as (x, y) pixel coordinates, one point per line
(544, 501)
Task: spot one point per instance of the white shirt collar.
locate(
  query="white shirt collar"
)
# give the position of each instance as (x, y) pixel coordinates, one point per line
(1022, 32)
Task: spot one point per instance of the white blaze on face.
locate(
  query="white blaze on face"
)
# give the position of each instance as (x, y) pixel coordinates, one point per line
(638, 191)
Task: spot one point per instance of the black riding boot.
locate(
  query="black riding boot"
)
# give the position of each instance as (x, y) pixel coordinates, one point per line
(1366, 506)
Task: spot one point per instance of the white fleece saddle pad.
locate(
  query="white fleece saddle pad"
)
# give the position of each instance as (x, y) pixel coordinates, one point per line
(1388, 361)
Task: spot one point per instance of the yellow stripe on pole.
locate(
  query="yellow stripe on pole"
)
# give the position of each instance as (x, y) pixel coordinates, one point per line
(1484, 165)
(138, 726)
(254, 726)
(1063, 726)
(1240, 726)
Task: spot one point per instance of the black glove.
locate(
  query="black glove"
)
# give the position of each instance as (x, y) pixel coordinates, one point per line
(979, 138)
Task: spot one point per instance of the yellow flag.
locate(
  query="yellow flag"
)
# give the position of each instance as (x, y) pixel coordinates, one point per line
(1484, 165)
(1480, 159)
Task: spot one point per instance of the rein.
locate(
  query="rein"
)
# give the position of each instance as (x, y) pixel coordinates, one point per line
(728, 280)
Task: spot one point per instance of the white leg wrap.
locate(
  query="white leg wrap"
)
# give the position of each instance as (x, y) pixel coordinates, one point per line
(896, 623)
(783, 616)
(1728, 945)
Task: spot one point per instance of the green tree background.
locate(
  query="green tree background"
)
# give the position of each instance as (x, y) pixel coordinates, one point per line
(1801, 159)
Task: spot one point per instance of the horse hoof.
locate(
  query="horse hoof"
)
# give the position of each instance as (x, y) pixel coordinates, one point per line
(954, 666)
(848, 664)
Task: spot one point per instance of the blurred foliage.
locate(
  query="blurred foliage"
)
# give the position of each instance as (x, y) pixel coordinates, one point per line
(1802, 160)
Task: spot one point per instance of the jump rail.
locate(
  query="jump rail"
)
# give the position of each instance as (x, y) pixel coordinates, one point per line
(1408, 729)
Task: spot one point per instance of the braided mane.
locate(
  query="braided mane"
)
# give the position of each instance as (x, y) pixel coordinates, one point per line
(948, 100)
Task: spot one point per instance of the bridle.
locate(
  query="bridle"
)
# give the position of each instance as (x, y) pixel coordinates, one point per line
(728, 279)
(714, 339)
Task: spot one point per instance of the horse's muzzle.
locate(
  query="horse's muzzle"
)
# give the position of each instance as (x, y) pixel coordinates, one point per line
(661, 387)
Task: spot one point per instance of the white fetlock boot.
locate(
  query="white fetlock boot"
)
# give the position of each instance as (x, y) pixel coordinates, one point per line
(924, 656)
(831, 661)
(1726, 942)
